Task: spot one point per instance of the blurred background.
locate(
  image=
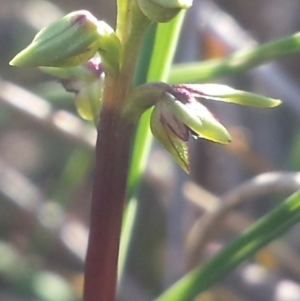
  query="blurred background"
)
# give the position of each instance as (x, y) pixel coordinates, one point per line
(46, 162)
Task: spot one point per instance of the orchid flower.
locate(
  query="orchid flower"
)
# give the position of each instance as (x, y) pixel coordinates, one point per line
(86, 82)
(179, 114)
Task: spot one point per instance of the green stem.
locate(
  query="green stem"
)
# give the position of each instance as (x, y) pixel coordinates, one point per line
(123, 18)
(240, 61)
(133, 45)
(260, 234)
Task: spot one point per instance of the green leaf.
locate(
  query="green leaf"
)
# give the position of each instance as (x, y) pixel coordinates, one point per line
(240, 61)
(260, 234)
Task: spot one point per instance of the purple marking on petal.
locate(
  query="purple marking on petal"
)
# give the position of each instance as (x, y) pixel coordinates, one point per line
(95, 65)
(196, 89)
(177, 127)
(179, 154)
(80, 19)
(84, 18)
(180, 93)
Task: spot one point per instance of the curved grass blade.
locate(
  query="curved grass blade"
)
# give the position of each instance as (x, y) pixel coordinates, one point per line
(260, 234)
(240, 61)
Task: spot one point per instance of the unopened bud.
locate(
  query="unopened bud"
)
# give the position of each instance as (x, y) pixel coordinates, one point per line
(162, 10)
(86, 81)
(70, 41)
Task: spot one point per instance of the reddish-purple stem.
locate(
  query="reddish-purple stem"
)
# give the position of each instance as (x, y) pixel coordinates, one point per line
(112, 157)
(111, 167)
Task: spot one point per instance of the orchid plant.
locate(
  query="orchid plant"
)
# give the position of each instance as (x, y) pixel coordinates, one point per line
(97, 63)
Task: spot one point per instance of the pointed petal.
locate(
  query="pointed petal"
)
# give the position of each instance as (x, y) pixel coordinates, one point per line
(227, 94)
(198, 118)
(173, 144)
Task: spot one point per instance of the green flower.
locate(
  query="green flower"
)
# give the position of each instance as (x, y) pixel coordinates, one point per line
(179, 114)
(86, 82)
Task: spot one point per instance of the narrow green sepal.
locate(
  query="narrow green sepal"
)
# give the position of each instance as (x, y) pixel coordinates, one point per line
(227, 94)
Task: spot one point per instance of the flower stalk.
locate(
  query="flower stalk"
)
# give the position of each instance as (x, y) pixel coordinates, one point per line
(107, 204)
(115, 133)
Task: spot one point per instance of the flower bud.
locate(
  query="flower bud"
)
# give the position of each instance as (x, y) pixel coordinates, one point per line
(86, 81)
(162, 10)
(70, 41)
